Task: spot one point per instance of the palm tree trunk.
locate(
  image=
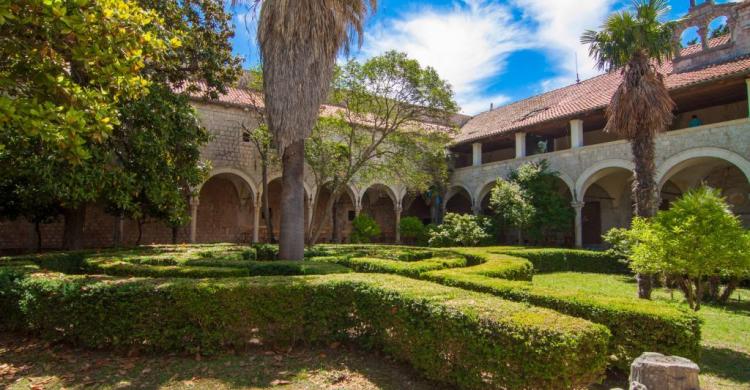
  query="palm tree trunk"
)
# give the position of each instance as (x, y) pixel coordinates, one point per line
(644, 193)
(292, 237)
(264, 202)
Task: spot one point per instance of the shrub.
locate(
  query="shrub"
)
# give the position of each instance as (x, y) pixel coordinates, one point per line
(266, 252)
(365, 229)
(464, 339)
(413, 230)
(637, 326)
(697, 239)
(550, 260)
(458, 230)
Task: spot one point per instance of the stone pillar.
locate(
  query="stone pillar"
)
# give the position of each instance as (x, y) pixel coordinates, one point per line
(117, 234)
(578, 207)
(398, 210)
(576, 133)
(476, 149)
(256, 218)
(520, 145)
(194, 201)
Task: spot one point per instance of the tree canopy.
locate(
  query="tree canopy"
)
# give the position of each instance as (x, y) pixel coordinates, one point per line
(105, 124)
(380, 134)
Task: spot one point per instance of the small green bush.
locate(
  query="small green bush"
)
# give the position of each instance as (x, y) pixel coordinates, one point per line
(637, 326)
(266, 252)
(365, 229)
(459, 230)
(413, 230)
(550, 260)
(463, 339)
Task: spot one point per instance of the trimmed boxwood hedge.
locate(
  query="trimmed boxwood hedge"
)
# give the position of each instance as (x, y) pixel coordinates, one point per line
(398, 267)
(550, 260)
(636, 325)
(465, 339)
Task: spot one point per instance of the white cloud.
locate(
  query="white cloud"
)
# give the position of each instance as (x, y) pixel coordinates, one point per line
(467, 45)
(559, 25)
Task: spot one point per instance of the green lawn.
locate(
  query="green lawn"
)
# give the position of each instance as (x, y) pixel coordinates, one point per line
(725, 359)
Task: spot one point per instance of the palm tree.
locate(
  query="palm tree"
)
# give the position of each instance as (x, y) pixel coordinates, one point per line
(299, 41)
(634, 42)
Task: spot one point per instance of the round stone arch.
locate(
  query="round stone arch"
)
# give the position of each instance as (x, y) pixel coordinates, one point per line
(388, 190)
(681, 160)
(308, 190)
(595, 172)
(454, 190)
(233, 171)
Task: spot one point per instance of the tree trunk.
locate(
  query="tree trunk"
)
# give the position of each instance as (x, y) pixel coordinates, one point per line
(264, 203)
(175, 231)
(317, 229)
(335, 234)
(698, 293)
(714, 285)
(140, 231)
(292, 237)
(729, 289)
(73, 231)
(38, 233)
(644, 192)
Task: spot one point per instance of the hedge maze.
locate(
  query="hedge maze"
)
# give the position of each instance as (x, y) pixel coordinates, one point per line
(467, 317)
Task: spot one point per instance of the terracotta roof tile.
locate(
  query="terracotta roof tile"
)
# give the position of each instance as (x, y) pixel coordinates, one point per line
(591, 94)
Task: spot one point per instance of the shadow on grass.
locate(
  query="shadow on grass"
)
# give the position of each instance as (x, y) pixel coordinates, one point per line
(26, 363)
(726, 363)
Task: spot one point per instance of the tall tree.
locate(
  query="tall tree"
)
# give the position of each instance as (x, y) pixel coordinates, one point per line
(634, 42)
(114, 47)
(379, 132)
(299, 42)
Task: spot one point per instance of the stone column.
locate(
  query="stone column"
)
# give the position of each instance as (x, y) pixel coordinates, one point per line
(398, 210)
(256, 218)
(194, 201)
(476, 149)
(576, 133)
(578, 207)
(520, 145)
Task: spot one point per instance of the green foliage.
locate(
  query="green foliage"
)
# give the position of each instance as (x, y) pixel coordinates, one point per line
(460, 230)
(364, 229)
(94, 116)
(550, 260)
(61, 83)
(266, 252)
(511, 205)
(637, 31)
(637, 326)
(379, 133)
(530, 201)
(462, 339)
(413, 230)
(697, 238)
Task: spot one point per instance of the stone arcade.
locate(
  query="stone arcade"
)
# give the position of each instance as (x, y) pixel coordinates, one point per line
(709, 81)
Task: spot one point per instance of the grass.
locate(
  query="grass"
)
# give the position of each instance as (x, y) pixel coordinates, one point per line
(30, 363)
(725, 355)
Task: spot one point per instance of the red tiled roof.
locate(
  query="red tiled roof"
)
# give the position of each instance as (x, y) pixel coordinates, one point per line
(242, 98)
(586, 96)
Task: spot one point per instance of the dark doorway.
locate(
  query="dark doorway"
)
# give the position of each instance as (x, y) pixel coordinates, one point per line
(592, 223)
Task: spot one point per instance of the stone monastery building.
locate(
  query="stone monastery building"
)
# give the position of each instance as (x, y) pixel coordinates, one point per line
(709, 142)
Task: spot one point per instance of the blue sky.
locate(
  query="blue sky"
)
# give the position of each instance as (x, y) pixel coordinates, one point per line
(491, 51)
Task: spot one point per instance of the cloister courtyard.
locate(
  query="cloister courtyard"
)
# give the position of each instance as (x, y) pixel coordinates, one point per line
(284, 194)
